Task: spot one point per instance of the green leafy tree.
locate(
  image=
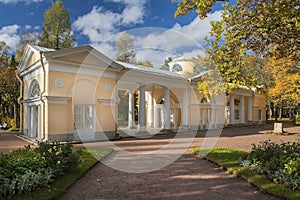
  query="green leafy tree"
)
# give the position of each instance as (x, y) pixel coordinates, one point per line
(263, 26)
(125, 49)
(56, 32)
(9, 93)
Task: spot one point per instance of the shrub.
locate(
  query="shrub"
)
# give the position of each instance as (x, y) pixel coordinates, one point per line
(59, 157)
(280, 162)
(24, 170)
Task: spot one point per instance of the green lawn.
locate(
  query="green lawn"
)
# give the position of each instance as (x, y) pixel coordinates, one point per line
(229, 160)
(62, 183)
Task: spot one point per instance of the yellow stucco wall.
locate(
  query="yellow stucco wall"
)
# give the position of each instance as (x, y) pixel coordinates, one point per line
(60, 118)
(82, 90)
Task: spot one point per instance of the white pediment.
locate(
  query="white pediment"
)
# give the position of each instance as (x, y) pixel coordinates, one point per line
(83, 56)
(31, 58)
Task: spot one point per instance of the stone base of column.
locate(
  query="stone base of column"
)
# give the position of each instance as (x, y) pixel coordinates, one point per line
(143, 134)
(131, 127)
(250, 122)
(165, 130)
(184, 128)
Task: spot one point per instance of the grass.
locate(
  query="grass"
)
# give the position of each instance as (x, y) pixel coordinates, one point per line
(62, 183)
(13, 129)
(229, 160)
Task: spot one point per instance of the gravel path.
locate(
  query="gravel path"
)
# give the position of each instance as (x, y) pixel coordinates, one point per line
(161, 167)
(186, 177)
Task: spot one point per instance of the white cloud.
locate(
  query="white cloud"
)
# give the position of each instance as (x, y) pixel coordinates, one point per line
(9, 34)
(28, 27)
(17, 1)
(106, 48)
(179, 40)
(102, 28)
(100, 24)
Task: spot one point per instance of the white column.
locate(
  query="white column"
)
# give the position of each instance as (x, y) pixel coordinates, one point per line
(213, 117)
(156, 116)
(130, 109)
(217, 118)
(250, 109)
(28, 133)
(203, 118)
(175, 118)
(167, 108)
(209, 122)
(142, 109)
(39, 123)
(185, 108)
(232, 118)
(32, 121)
(150, 109)
(242, 110)
(162, 117)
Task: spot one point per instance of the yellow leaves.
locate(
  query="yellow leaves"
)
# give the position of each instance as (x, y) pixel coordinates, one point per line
(286, 80)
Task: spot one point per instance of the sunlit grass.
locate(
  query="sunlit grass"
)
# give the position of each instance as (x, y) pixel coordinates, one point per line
(229, 160)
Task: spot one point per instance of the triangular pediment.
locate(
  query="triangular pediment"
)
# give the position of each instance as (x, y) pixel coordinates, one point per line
(82, 56)
(31, 57)
(75, 57)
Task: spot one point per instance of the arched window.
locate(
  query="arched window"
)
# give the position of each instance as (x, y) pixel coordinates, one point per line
(176, 68)
(34, 89)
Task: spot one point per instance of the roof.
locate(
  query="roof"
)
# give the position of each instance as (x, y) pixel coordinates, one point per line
(150, 70)
(38, 48)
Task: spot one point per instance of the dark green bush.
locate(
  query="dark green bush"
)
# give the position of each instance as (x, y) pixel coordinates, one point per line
(59, 157)
(280, 162)
(24, 170)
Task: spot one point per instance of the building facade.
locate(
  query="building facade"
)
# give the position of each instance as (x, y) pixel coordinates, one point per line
(72, 94)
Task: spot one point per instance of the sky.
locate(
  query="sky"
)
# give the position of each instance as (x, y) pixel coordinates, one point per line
(157, 35)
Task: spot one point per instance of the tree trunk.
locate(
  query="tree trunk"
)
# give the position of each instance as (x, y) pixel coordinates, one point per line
(280, 112)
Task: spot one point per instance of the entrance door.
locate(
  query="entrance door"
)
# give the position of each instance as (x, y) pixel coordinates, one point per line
(34, 122)
(84, 119)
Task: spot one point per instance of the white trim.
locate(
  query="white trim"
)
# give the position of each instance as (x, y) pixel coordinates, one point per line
(31, 72)
(108, 102)
(31, 102)
(98, 72)
(139, 77)
(207, 105)
(56, 100)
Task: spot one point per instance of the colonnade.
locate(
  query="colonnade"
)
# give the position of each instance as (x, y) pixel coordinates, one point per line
(166, 116)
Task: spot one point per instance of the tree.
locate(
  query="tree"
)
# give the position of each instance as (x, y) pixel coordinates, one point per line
(283, 83)
(147, 63)
(166, 64)
(27, 37)
(56, 32)
(263, 26)
(202, 7)
(125, 49)
(9, 93)
(228, 64)
(3, 55)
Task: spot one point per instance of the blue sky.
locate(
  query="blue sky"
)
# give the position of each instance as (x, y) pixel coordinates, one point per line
(151, 24)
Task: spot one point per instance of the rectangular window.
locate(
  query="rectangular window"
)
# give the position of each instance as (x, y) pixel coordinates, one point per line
(84, 117)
